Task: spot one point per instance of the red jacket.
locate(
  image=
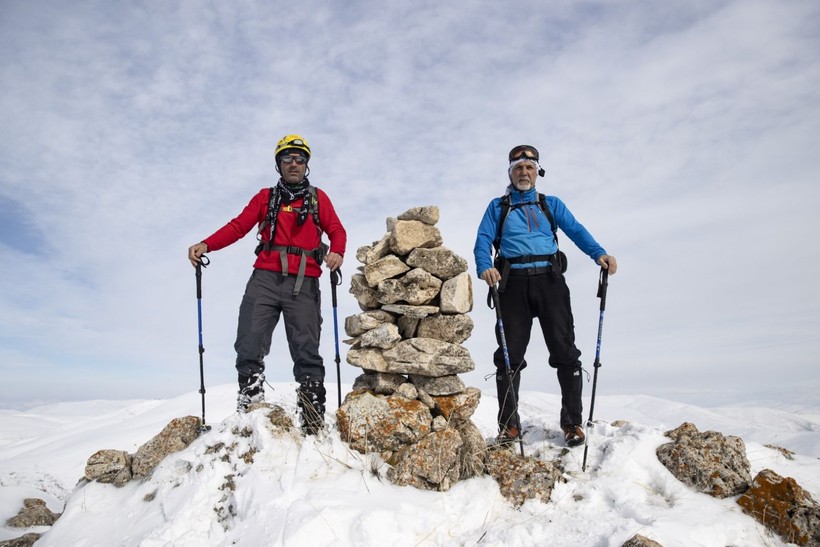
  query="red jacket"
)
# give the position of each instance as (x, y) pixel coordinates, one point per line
(287, 232)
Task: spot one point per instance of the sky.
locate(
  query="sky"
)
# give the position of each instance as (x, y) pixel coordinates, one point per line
(316, 491)
(682, 134)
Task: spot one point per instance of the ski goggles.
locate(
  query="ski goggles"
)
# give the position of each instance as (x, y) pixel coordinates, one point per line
(300, 160)
(523, 151)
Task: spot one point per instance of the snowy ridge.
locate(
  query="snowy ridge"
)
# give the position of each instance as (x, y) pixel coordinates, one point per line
(316, 491)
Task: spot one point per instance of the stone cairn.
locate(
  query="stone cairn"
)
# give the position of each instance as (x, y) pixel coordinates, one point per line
(409, 405)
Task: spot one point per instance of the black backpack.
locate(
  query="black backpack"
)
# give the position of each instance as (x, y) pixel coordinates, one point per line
(506, 207)
(318, 254)
(502, 264)
(312, 209)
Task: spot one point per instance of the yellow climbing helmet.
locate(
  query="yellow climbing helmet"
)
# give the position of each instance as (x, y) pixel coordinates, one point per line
(292, 142)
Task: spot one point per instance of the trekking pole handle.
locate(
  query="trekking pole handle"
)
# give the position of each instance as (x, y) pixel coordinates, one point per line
(203, 263)
(335, 281)
(497, 305)
(603, 282)
(494, 296)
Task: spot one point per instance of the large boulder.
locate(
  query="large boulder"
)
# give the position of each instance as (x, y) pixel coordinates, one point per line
(419, 356)
(431, 464)
(640, 541)
(428, 214)
(428, 357)
(384, 268)
(784, 507)
(377, 382)
(460, 406)
(708, 462)
(441, 385)
(370, 254)
(178, 434)
(448, 328)
(370, 423)
(457, 294)
(385, 336)
(411, 234)
(364, 294)
(34, 513)
(439, 261)
(406, 310)
(356, 325)
(521, 479)
(417, 287)
(109, 466)
(26, 540)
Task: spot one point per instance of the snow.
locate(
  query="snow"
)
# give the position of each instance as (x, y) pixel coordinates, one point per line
(316, 491)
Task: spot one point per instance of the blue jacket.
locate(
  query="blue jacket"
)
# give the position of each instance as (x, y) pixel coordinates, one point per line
(527, 231)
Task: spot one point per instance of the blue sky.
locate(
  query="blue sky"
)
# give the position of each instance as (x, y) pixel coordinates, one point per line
(682, 134)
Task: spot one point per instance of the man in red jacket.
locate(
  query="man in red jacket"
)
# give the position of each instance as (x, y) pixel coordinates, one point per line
(285, 281)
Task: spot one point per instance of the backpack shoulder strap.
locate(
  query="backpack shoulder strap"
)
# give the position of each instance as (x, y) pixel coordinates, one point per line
(505, 210)
(269, 213)
(313, 206)
(542, 203)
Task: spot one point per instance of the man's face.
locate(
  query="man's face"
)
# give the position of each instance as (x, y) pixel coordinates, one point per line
(523, 175)
(293, 172)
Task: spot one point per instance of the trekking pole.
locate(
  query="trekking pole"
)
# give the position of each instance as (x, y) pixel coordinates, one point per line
(336, 279)
(510, 387)
(602, 284)
(203, 262)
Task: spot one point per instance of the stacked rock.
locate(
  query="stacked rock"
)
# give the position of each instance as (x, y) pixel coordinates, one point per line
(415, 295)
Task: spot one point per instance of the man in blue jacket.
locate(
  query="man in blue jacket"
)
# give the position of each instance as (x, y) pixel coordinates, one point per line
(529, 270)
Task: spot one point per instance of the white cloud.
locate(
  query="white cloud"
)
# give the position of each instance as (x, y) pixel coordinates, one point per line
(680, 134)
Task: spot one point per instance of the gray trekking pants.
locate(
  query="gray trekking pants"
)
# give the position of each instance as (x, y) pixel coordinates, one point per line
(268, 296)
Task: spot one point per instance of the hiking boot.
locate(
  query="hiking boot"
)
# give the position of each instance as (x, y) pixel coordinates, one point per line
(507, 399)
(573, 435)
(310, 398)
(507, 436)
(251, 390)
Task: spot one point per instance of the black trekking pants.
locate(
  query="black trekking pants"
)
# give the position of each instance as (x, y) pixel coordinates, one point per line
(268, 296)
(545, 296)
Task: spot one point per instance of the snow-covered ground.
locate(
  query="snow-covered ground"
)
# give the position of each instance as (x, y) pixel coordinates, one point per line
(316, 491)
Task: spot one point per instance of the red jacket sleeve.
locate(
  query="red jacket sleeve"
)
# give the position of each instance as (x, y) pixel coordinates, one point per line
(253, 213)
(330, 224)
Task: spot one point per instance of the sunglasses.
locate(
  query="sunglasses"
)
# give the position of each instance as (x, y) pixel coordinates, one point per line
(524, 152)
(300, 160)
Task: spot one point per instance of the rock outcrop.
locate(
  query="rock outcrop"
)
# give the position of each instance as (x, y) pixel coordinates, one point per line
(34, 513)
(641, 541)
(708, 462)
(783, 506)
(118, 467)
(520, 478)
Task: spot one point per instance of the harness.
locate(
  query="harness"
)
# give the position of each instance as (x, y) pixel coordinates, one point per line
(558, 259)
(310, 207)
